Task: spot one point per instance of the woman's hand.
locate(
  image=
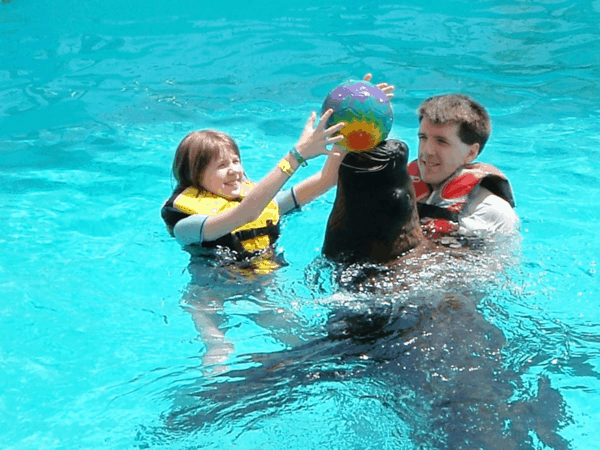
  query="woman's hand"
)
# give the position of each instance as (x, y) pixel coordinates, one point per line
(313, 140)
(385, 87)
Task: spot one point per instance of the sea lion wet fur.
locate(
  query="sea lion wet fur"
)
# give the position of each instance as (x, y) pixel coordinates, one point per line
(374, 216)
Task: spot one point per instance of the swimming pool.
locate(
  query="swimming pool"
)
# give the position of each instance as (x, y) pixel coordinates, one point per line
(96, 350)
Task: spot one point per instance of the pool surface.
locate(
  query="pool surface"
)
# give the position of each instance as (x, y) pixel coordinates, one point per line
(96, 350)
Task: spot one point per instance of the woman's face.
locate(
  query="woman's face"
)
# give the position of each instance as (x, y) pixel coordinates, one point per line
(223, 175)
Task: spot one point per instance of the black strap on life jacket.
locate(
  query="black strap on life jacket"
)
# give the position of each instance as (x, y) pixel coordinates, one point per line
(234, 240)
(435, 212)
(500, 187)
(270, 230)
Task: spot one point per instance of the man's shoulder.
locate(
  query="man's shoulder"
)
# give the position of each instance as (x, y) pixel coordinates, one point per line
(483, 197)
(488, 214)
(485, 203)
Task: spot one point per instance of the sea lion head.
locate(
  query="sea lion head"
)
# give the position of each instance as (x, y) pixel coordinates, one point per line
(374, 216)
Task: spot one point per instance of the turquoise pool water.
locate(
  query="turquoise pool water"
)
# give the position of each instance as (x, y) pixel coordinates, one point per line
(95, 349)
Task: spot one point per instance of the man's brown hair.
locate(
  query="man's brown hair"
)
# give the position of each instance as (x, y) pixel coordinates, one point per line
(474, 125)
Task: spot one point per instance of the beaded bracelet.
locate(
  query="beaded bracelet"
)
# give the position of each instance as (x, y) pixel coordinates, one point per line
(296, 154)
(285, 167)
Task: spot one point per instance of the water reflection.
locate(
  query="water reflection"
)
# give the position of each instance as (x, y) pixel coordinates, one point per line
(429, 340)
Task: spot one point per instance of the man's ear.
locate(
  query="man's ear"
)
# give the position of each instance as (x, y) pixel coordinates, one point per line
(472, 154)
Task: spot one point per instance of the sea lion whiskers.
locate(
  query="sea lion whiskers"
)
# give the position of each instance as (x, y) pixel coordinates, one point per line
(371, 157)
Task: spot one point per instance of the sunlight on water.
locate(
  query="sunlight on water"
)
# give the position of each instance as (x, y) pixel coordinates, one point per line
(99, 348)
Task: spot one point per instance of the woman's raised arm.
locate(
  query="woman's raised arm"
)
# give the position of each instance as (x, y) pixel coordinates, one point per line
(312, 143)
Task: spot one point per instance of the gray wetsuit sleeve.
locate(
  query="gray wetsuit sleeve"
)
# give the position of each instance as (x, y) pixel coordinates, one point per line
(286, 200)
(190, 230)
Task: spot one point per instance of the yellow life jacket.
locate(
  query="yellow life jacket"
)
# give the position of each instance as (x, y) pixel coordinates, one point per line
(253, 236)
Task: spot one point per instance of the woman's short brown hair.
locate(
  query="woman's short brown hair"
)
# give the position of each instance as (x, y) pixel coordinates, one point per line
(196, 151)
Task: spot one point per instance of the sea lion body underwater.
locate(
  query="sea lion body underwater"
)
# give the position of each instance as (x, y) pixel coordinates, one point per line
(375, 219)
(440, 361)
(374, 216)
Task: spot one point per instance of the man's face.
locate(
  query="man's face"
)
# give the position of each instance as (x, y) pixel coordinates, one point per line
(441, 151)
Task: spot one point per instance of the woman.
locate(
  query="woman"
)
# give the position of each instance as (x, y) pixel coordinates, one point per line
(214, 206)
(214, 210)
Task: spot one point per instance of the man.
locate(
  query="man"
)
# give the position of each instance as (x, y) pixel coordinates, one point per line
(454, 194)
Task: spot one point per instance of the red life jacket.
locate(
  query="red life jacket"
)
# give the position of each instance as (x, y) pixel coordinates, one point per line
(441, 217)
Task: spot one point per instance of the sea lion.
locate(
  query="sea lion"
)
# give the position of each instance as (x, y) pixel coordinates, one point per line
(437, 356)
(375, 220)
(374, 216)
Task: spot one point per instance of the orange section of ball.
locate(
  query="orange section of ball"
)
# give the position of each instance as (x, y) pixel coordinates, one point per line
(359, 141)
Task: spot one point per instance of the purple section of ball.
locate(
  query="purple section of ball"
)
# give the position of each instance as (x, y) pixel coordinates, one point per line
(361, 90)
(339, 93)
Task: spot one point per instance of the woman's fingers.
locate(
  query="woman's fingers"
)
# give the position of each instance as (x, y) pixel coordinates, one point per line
(311, 121)
(387, 89)
(333, 139)
(318, 137)
(329, 139)
(335, 128)
(338, 151)
(324, 118)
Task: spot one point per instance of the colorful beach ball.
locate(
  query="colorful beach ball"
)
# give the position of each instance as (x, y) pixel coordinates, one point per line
(366, 111)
